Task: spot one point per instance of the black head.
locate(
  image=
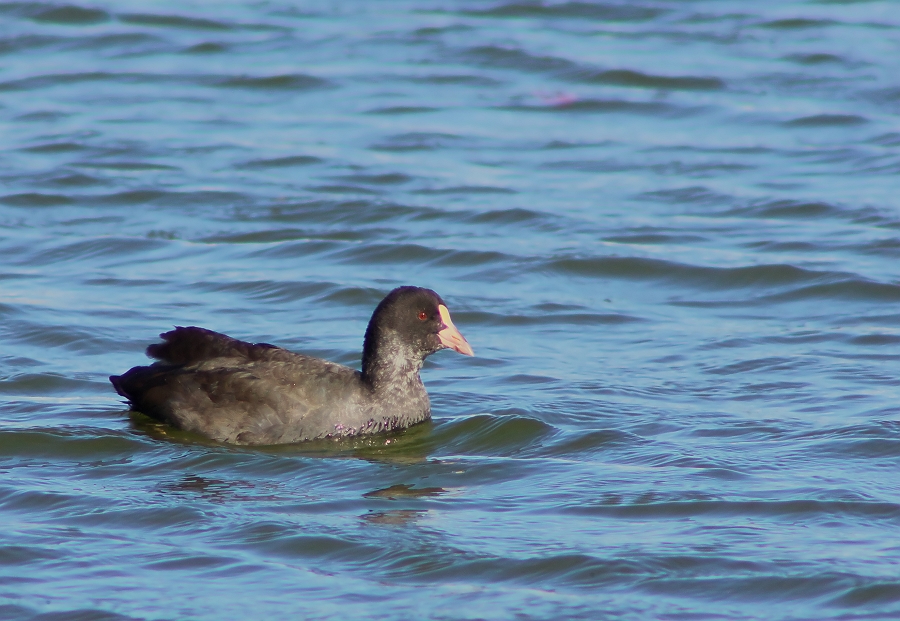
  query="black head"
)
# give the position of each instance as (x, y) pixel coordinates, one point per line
(408, 325)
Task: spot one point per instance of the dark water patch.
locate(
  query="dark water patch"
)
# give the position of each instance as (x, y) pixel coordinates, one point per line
(876, 440)
(570, 570)
(564, 144)
(790, 509)
(692, 195)
(55, 147)
(788, 209)
(163, 198)
(592, 166)
(361, 211)
(319, 547)
(173, 21)
(878, 428)
(384, 179)
(82, 614)
(607, 12)
(23, 555)
(163, 234)
(866, 320)
(124, 282)
(417, 254)
(257, 237)
(418, 141)
(136, 166)
(35, 199)
(432, 31)
(764, 276)
(655, 238)
(827, 120)
(847, 289)
(98, 247)
(363, 297)
(511, 58)
(149, 518)
(796, 23)
(516, 215)
(772, 364)
(22, 43)
(745, 430)
(529, 379)
(467, 189)
(578, 445)
(875, 217)
(765, 246)
(545, 319)
(191, 562)
(78, 445)
(495, 435)
(699, 169)
(885, 95)
(207, 48)
(117, 40)
(270, 290)
(461, 80)
(875, 340)
(804, 83)
(59, 79)
(884, 247)
(35, 500)
(48, 336)
(737, 150)
(281, 162)
(469, 258)
(880, 448)
(70, 15)
(7, 310)
(291, 234)
(14, 612)
(877, 593)
(770, 391)
(391, 110)
(48, 116)
(342, 189)
(288, 82)
(18, 362)
(775, 185)
(774, 587)
(602, 106)
(815, 59)
(29, 384)
(636, 79)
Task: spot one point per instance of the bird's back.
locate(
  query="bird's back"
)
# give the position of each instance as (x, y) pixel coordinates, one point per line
(239, 392)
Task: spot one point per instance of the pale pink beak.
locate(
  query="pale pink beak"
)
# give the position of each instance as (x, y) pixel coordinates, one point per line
(450, 336)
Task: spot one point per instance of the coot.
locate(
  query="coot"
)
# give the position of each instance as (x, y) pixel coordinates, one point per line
(256, 393)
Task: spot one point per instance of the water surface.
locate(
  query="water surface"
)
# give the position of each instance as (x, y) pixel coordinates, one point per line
(669, 230)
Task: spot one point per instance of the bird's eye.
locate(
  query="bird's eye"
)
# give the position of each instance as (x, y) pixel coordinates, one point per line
(423, 315)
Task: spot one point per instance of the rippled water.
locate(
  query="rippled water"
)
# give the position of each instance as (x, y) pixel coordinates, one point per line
(669, 230)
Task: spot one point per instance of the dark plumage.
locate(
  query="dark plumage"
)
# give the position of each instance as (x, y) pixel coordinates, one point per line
(247, 393)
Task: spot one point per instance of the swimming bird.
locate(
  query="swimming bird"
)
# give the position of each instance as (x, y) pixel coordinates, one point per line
(255, 393)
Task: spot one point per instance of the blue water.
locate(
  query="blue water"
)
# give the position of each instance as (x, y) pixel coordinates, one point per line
(669, 230)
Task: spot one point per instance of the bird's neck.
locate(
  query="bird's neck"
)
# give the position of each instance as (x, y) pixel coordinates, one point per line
(388, 362)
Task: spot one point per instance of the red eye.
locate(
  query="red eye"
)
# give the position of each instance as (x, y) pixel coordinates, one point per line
(423, 315)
